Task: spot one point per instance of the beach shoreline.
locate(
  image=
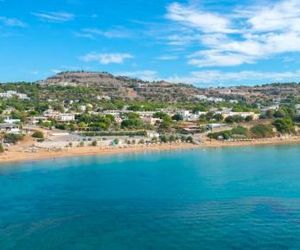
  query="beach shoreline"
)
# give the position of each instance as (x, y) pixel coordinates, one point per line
(14, 156)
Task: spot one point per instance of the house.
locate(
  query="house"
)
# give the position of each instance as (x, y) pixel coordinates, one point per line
(152, 134)
(11, 121)
(185, 114)
(202, 97)
(35, 120)
(61, 117)
(12, 93)
(66, 117)
(225, 114)
(151, 120)
(215, 127)
(273, 107)
(10, 128)
(215, 99)
(50, 113)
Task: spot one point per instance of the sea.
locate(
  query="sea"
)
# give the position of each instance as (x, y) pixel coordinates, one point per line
(223, 198)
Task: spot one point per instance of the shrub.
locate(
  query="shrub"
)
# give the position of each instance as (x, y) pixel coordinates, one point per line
(249, 118)
(190, 139)
(284, 126)
(13, 138)
(38, 135)
(1, 148)
(234, 119)
(163, 138)
(239, 130)
(94, 143)
(262, 131)
(177, 117)
(116, 141)
(224, 135)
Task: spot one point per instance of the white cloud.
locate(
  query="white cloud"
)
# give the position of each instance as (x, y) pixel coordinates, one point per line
(54, 16)
(277, 16)
(167, 58)
(12, 22)
(214, 77)
(146, 75)
(92, 33)
(204, 21)
(244, 36)
(106, 58)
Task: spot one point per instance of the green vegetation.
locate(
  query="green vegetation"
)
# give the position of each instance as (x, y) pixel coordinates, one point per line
(1, 148)
(91, 102)
(38, 135)
(284, 125)
(238, 132)
(164, 138)
(132, 121)
(234, 119)
(262, 131)
(13, 138)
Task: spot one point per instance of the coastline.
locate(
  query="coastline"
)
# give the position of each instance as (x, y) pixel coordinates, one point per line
(12, 155)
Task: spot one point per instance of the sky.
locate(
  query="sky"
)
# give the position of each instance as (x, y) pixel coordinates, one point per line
(201, 42)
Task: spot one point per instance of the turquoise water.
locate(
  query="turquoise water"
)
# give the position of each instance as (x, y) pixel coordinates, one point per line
(205, 199)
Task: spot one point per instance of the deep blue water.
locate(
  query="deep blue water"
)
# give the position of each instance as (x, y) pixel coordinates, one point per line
(206, 199)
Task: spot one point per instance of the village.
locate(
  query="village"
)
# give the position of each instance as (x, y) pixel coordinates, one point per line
(56, 129)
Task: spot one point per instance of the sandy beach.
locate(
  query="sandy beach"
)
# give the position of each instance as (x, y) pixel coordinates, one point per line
(14, 154)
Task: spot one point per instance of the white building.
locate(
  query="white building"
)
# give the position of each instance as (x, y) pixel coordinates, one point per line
(152, 134)
(10, 128)
(11, 121)
(67, 117)
(62, 117)
(11, 94)
(242, 114)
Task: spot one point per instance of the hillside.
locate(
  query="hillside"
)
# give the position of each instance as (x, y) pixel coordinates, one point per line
(125, 87)
(122, 87)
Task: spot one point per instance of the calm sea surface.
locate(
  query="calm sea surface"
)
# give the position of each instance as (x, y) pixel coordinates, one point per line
(235, 198)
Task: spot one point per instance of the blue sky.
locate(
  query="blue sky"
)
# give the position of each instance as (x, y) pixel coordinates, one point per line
(205, 42)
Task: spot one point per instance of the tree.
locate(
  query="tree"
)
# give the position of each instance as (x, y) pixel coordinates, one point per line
(177, 117)
(190, 139)
(218, 117)
(132, 123)
(116, 141)
(163, 138)
(269, 114)
(234, 119)
(162, 115)
(284, 125)
(279, 113)
(249, 118)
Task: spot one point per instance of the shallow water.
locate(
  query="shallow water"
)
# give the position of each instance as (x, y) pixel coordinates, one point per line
(228, 198)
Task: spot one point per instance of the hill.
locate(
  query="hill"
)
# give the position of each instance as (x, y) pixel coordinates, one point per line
(125, 87)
